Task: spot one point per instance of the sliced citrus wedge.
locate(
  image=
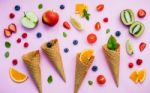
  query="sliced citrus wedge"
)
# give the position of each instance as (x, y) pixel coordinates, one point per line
(142, 75)
(86, 55)
(17, 76)
(134, 76)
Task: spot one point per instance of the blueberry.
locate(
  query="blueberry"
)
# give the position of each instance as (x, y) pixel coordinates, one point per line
(94, 68)
(49, 44)
(75, 42)
(39, 35)
(62, 6)
(17, 7)
(118, 33)
(66, 50)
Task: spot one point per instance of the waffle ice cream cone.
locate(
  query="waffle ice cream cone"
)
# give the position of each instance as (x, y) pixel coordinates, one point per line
(53, 54)
(113, 60)
(32, 62)
(81, 71)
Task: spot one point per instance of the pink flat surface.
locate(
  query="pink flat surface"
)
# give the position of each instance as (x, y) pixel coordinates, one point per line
(112, 11)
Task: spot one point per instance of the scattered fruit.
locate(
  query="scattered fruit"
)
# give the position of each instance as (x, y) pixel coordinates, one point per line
(137, 29)
(11, 15)
(139, 61)
(76, 24)
(66, 25)
(26, 44)
(7, 44)
(90, 82)
(134, 76)
(105, 20)
(62, 6)
(50, 79)
(118, 33)
(18, 40)
(94, 68)
(127, 17)
(6, 54)
(17, 76)
(130, 65)
(101, 79)
(75, 42)
(141, 13)
(80, 7)
(66, 50)
(17, 7)
(142, 75)
(142, 46)
(107, 30)
(14, 62)
(100, 7)
(86, 55)
(129, 47)
(64, 34)
(29, 20)
(24, 35)
(39, 35)
(40, 6)
(50, 18)
(91, 38)
(7, 33)
(97, 26)
(12, 27)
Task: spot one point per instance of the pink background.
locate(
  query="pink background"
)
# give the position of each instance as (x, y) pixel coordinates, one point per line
(112, 11)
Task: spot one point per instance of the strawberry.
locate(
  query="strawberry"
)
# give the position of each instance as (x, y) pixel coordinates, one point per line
(142, 46)
(7, 33)
(12, 28)
(66, 25)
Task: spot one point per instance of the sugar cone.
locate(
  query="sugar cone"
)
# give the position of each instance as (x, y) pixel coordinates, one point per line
(32, 62)
(113, 60)
(81, 71)
(54, 56)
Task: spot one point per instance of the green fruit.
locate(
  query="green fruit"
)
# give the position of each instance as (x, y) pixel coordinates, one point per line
(129, 48)
(76, 24)
(137, 29)
(127, 17)
(29, 20)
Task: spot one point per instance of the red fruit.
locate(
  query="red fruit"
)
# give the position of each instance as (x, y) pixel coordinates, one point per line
(66, 25)
(100, 7)
(97, 26)
(7, 33)
(18, 40)
(101, 79)
(130, 65)
(50, 18)
(12, 28)
(91, 38)
(141, 13)
(142, 46)
(11, 15)
(24, 35)
(26, 45)
(139, 61)
(105, 19)
(15, 62)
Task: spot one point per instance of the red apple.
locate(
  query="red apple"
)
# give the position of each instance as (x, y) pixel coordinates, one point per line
(50, 18)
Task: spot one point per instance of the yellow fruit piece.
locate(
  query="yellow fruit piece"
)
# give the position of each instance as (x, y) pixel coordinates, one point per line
(17, 76)
(80, 7)
(86, 55)
(142, 75)
(134, 76)
(76, 24)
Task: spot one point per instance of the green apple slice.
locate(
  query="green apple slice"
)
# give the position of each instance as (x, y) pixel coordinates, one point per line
(27, 23)
(129, 48)
(32, 16)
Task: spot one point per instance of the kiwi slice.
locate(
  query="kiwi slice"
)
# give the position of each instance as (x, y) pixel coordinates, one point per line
(127, 17)
(137, 29)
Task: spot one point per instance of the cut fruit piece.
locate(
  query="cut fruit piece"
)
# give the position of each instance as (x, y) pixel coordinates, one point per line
(129, 48)
(76, 24)
(7, 33)
(12, 27)
(86, 55)
(27, 23)
(17, 76)
(134, 76)
(137, 29)
(80, 7)
(142, 75)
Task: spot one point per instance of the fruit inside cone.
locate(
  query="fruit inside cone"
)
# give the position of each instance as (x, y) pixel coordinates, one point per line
(50, 18)
(29, 20)
(101, 79)
(17, 76)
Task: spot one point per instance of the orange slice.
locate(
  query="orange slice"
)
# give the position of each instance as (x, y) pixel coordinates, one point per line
(17, 76)
(86, 55)
(142, 75)
(134, 76)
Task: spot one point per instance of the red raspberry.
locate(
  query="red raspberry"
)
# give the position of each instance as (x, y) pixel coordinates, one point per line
(26, 44)
(19, 40)
(130, 65)
(139, 61)
(24, 35)
(105, 19)
(14, 61)
(11, 15)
